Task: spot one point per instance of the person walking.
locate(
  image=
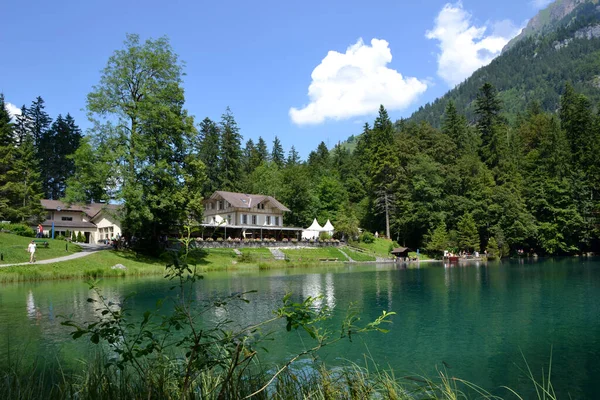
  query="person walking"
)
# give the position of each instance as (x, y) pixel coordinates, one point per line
(31, 251)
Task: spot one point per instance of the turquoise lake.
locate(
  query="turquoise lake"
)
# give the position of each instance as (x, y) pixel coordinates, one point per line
(474, 321)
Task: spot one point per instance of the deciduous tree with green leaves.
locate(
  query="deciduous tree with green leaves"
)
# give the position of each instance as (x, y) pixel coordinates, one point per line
(137, 109)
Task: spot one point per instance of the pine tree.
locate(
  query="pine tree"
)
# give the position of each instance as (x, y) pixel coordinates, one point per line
(438, 240)
(248, 154)
(7, 148)
(61, 141)
(24, 184)
(319, 161)
(293, 157)
(277, 154)
(209, 152)
(468, 236)
(40, 123)
(487, 109)
(262, 153)
(455, 126)
(230, 158)
(384, 165)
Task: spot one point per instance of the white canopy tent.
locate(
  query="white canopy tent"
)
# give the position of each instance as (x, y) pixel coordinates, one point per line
(328, 227)
(312, 232)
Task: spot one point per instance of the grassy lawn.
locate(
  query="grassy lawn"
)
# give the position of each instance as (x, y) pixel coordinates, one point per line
(379, 247)
(210, 259)
(258, 254)
(358, 256)
(93, 266)
(14, 249)
(314, 254)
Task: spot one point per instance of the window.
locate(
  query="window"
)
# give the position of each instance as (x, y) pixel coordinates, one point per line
(66, 218)
(49, 216)
(254, 220)
(261, 206)
(220, 205)
(229, 219)
(245, 219)
(268, 220)
(277, 221)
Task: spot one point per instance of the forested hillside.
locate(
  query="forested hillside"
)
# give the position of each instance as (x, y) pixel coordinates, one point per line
(535, 67)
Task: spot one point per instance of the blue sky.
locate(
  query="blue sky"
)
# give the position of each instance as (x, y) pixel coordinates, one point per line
(258, 57)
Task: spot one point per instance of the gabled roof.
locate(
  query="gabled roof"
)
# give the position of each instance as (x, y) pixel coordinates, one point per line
(328, 226)
(242, 200)
(314, 226)
(400, 250)
(90, 209)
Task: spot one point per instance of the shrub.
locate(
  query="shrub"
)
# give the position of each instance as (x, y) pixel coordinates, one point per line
(60, 237)
(367, 237)
(199, 239)
(284, 240)
(80, 237)
(294, 240)
(324, 236)
(219, 239)
(210, 239)
(18, 229)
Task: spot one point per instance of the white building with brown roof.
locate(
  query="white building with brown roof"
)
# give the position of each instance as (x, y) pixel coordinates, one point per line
(96, 221)
(246, 215)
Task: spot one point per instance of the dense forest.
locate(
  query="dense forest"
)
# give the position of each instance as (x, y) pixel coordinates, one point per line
(534, 68)
(35, 159)
(529, 183)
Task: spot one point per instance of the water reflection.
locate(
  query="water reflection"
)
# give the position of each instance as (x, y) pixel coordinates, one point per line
(476, 317)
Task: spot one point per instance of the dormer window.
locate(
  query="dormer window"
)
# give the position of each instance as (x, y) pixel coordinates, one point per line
(261, 206)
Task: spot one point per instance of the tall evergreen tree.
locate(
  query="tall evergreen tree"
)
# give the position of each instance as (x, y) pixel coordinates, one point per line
(24, 184)
(384, 165)
(7, 148)
(262, 153)
(318, 160)
(230, 160)
(487, 109)
(468, 236)
(22, 126)
(40, 124)
(60, 141)
(277, 154)
(293, 157)
(209, 151)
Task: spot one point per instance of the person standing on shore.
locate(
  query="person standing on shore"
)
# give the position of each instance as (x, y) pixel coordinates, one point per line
(31, 251)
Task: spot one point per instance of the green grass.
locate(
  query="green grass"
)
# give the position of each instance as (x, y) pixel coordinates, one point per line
(93, 266)
(14, 249)
(380, 247)
(314, 254)
(358, 256)
(258, 252)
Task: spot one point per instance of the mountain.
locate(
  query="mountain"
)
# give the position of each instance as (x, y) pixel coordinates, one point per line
(560, 44)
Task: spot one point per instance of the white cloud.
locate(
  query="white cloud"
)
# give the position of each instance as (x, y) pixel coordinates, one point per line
(539, 4)
(12, 109)
(356, 83)
(465, 47)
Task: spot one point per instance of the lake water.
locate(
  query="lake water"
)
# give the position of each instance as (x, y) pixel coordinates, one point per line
(473, 320)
